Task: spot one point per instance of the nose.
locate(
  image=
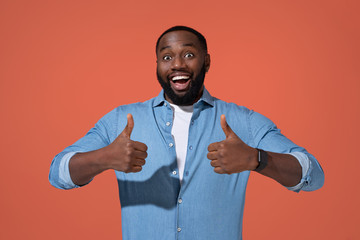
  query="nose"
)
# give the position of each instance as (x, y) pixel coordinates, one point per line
(178, 63)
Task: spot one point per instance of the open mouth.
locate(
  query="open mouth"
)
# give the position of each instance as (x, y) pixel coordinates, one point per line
(180, 83)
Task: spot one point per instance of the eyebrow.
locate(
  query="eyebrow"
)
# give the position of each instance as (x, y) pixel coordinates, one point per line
(184, 45)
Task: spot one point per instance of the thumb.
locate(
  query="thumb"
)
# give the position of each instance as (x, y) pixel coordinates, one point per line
(129, 126)
(225, 127)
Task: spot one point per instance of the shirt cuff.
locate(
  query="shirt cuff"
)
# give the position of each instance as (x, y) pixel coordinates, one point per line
(64, 172)
(305, 165)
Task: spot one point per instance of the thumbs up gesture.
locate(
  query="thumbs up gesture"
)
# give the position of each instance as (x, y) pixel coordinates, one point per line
(231, 155)
(124, 154)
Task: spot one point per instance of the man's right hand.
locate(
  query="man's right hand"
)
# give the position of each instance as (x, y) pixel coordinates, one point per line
(124, 154)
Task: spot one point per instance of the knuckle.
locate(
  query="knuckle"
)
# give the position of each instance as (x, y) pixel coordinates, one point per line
(129, 152)
(127, 160)
(128, 144)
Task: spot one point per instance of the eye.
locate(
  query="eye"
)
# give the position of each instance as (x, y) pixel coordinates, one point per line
(166, 58)
(189, 55)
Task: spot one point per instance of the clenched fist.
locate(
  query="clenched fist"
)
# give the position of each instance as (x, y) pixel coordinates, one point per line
(231, 155)
(124, 154)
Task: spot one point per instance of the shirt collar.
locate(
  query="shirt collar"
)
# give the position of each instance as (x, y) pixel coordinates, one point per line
(206, 98)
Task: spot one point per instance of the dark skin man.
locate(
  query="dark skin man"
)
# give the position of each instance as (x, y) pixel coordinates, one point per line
(181, 66)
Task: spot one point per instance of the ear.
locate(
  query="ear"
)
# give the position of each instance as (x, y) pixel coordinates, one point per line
(207, 62)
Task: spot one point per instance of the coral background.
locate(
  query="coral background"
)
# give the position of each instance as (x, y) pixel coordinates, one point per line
(64, 64)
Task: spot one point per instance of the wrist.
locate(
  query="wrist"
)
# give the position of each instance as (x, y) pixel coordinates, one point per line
(102, 162)
(254, 162)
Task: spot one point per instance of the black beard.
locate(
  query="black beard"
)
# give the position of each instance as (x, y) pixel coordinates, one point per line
(191, 96)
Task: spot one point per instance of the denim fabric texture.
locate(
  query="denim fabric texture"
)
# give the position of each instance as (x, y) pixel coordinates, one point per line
(206, 205)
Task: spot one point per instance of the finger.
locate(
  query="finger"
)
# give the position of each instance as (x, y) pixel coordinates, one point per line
(215, 163)
(140, 146)
(129, 126)
(219, 170)
(136, 169)
(225, 126)
(139, 162)
(213, 147)
(140, 154)
(212, 155)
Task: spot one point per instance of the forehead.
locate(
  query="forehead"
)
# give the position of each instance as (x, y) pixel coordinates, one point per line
(179, 39)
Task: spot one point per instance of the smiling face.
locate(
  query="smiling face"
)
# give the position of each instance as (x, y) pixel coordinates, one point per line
(181, 66)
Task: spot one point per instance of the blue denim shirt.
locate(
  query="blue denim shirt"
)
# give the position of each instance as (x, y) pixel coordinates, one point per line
(206, 205)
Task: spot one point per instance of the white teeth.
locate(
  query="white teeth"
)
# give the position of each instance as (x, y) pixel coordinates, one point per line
(180, 78)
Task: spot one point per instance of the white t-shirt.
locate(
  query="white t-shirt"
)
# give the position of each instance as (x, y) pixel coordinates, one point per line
(180, 132)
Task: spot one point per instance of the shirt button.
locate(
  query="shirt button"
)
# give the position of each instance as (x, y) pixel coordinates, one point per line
(171, 144)
(168, 124)
(165, 104)
(192, 122)
(174, 172)
(178, 229)
(180, 200)
(190, 147)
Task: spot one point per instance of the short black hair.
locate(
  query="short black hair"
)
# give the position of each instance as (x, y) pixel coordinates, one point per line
(184, 28)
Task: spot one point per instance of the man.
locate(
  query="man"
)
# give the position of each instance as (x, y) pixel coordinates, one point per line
(183, 158)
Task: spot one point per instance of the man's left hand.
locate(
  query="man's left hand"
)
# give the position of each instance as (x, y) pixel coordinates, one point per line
(231, 155)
